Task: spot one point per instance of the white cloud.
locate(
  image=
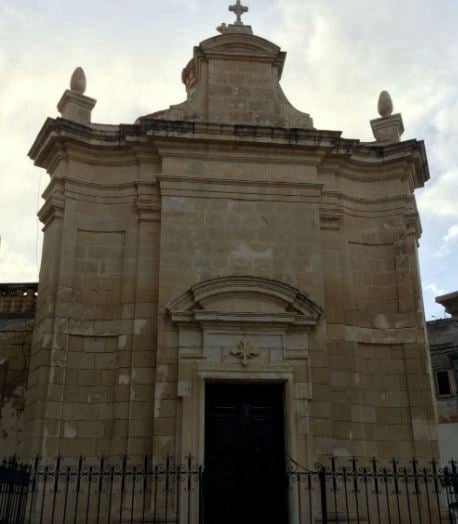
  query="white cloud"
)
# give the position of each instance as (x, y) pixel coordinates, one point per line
(440, 198)
(449, 242)
(31, 84)
(452, 235)
(437, 291)
(16, 267)
(340, 56)
(431, 292)
(12, 16)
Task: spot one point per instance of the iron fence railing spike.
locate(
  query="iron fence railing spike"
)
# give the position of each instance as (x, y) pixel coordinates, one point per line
(122, 489)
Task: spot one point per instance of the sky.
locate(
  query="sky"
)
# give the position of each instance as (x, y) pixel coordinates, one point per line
(341, 54)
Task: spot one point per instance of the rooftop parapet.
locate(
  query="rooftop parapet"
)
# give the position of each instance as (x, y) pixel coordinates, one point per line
(18, 300)
(450, 303)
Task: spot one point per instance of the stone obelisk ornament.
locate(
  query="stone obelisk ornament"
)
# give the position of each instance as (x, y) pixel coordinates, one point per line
(78, 81)
(385, 104)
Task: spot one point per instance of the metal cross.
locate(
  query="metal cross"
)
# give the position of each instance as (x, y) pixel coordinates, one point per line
(245, 351)
(239, 10)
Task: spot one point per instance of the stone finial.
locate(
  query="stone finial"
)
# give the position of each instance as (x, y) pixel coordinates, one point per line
(389, 128)
(222, 28)
(385, 104)
(74, 104)
(78, 81)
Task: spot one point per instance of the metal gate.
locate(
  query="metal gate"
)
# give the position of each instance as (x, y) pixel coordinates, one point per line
(14, 485)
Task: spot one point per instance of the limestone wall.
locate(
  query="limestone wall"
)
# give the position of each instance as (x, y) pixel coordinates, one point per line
(17, 303)
(379, 401)
(141, 218)
(92, 362)
(443, 341)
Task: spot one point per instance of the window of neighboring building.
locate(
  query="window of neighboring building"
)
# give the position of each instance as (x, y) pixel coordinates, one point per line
(444, 383)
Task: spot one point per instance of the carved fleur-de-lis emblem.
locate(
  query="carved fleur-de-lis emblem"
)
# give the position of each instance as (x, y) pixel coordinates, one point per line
(245, 351)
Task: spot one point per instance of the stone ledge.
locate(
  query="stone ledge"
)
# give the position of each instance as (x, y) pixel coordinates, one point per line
(331, 143)
(450, 303)
(18, 300)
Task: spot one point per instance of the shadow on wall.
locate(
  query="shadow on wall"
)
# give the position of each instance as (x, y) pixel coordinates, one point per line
(17, 309)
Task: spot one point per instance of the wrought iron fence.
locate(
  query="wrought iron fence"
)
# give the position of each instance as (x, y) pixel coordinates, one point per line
(375, 493)
(14, 484)
(74, 492)
(124, 492)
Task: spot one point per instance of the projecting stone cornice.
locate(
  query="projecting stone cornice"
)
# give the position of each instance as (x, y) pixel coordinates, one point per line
(248, 189)
(18, 300)
(325, 147)
(450, 303)
(54, 207)
(145, 196)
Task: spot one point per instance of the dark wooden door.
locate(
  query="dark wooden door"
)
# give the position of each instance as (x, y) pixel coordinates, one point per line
(245, 480)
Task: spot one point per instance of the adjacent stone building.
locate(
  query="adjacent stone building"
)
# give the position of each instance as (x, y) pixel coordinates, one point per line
(17, 309)
(224, 261)
(450, 303)
(443, 340)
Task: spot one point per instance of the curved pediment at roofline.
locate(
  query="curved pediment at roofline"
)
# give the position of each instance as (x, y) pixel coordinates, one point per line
(243, 299)
(253, 46)
(234, 79)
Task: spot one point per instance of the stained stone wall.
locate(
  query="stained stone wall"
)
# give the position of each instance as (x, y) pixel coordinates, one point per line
(17, 305)
(443, 343)
(174, 244)
(91, 379)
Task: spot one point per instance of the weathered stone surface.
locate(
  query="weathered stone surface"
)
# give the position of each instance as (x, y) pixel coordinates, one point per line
(17, 308)
(225, 227)
(385, 104)
(74, 105)
(78, 81)
(234, 78)
(443, 342)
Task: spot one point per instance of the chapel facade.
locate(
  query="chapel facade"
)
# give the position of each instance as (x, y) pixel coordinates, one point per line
(222, 269)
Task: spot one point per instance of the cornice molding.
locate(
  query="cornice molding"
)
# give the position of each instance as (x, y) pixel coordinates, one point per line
(242, 189)
(53, 208)
(153, 141)
(450, 303)
(148, 210)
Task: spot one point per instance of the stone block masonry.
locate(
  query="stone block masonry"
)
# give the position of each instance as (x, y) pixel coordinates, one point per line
(17, 308)
(225, 240)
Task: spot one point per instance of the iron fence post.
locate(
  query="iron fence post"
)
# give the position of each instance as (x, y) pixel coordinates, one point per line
(324, 503)
(63, 492)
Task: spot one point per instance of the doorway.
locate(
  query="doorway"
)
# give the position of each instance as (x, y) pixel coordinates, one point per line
(245, 480)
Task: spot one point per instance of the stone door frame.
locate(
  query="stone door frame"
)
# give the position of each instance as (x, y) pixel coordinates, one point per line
(248, 330)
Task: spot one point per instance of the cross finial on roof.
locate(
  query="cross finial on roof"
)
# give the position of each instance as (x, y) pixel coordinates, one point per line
(239, 10)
